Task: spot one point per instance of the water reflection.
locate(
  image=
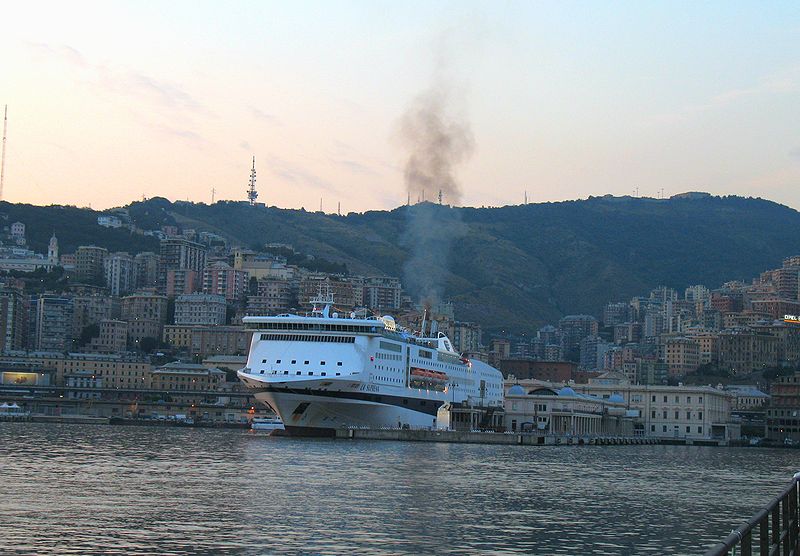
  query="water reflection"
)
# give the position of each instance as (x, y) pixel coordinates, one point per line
(77, 489)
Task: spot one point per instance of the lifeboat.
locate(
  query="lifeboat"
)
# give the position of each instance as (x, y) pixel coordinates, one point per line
(428, 375)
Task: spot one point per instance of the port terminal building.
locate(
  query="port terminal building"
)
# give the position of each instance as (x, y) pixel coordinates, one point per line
(667, 412)
(563, 411)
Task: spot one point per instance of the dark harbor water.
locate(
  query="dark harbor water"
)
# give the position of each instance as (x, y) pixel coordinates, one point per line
(84, 489)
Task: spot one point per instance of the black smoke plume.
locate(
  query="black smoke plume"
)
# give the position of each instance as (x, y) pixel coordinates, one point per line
(437, 141)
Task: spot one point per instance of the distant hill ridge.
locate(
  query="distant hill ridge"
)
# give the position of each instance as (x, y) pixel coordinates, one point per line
(512, 268)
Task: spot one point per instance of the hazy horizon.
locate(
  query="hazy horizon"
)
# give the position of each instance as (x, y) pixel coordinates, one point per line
(328, 210)
(563, 101)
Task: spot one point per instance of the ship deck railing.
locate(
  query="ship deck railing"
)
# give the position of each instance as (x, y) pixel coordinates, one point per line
(773, 530)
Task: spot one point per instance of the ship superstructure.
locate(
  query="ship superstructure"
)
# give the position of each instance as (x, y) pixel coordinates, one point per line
(326, 370)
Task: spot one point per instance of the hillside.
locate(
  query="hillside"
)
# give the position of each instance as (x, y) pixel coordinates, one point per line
(514, 268)
(73, 226)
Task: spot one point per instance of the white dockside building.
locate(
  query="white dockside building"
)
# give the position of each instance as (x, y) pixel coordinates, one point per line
(680, 412)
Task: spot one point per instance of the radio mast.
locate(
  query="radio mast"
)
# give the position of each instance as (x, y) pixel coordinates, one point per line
(252, 194)
(3, 159)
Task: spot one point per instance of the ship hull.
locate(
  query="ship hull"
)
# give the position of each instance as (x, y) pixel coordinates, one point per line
(310, 413)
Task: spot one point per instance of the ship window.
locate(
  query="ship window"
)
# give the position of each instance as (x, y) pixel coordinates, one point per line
(324, 374)
(264, 361)
(262, 371)
(310, 373)
(294, 361)
(338, 374)
(278, 361)
(286, 372)
(305, 362)
(322, 362)
(297, 373)
(338, 363)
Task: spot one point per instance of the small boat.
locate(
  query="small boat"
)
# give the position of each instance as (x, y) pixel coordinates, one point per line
(268, 424)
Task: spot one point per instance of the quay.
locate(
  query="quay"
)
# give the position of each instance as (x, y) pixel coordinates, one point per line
(76, 419)
(479, 437)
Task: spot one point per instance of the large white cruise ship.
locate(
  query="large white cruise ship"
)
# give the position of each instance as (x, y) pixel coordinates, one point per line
(325, 371)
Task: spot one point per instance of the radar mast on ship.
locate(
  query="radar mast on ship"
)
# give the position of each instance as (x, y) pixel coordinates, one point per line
(323, 302)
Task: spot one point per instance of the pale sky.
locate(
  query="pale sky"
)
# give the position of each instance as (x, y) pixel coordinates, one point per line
(109, 101)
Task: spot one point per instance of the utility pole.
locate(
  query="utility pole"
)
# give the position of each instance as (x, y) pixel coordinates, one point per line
(3, 160)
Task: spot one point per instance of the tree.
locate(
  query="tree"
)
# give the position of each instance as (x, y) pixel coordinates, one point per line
(148, 344)
(88, 332)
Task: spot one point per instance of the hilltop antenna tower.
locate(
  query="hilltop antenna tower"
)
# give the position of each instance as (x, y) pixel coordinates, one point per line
(526, 197)
(252, 194)
(3, 159)
(440, 196)
(213, 194)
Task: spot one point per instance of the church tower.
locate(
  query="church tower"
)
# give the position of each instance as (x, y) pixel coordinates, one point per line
(52, 251)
